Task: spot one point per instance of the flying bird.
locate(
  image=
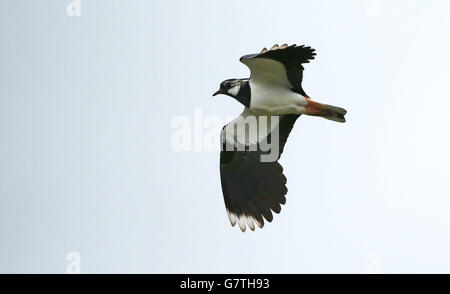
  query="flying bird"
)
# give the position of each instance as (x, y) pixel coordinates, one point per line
(273, 99)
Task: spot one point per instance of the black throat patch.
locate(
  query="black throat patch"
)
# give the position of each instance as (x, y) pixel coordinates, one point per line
(244, 95)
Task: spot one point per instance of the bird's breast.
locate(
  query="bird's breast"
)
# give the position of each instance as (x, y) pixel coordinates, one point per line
(269, 100)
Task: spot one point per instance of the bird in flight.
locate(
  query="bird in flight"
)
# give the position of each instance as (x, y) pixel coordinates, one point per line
(253, 183)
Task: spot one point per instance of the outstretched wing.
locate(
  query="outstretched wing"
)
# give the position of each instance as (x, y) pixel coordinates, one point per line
(280, 66)
(253, 188)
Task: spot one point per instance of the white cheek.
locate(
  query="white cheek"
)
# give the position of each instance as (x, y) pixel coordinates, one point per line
(235, 90)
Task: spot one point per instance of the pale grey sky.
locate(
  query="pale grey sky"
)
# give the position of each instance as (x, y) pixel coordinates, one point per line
(86, 163)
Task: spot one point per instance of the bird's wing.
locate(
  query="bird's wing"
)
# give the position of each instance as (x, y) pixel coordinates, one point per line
(253, 188)
(280, 66)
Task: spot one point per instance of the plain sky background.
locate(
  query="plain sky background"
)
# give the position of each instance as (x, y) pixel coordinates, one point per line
(86, 163)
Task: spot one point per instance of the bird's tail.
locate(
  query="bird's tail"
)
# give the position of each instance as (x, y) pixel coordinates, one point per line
(326, 111)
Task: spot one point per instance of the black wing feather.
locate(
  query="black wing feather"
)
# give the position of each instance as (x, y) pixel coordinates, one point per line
(253, 188)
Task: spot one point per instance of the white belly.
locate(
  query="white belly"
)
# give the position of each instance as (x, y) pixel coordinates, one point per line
(275, 100)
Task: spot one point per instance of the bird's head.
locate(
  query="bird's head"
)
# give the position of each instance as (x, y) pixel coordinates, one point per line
(230, 87)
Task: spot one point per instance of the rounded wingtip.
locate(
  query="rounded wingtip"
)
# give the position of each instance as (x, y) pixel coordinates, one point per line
(245, 220)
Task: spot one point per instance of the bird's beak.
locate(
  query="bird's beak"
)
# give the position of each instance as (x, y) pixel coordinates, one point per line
(217, 92)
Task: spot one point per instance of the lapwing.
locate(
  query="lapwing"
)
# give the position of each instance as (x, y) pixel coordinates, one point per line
(273, 99)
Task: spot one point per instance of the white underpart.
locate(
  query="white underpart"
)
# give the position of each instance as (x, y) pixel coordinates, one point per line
(235, 90)
(271, 90)
(242, 220)
(270, 100)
